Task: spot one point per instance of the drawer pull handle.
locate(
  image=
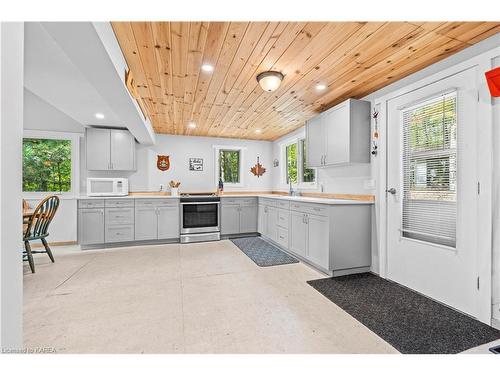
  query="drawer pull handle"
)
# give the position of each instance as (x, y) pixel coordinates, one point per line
(317, 209)
(281, 237)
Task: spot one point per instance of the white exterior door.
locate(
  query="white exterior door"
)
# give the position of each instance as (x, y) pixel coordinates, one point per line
(432, 205)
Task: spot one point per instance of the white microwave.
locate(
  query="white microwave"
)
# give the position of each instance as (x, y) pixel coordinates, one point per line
(104, 187)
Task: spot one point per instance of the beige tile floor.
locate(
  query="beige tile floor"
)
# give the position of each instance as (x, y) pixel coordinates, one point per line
(191, 298)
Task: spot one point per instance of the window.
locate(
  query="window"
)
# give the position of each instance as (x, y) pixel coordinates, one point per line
(229, 161)
(295, 165)
(430, 170)
(49, 163)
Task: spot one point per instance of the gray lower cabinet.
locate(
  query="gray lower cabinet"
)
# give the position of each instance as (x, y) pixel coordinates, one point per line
(146, 219)
(262, 220)
(238, 215)
(248, 217)
(90, 226)
(272, 223)
(298, 233)
(156, 220)
(168, 222)
(334, 238)
(111, 220)
(317, 240)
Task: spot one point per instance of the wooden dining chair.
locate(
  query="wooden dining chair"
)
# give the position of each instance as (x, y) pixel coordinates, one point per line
(38, 228)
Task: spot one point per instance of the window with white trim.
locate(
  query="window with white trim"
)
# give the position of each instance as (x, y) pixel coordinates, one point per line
(229, 162)
(295, 165)
(49, 163)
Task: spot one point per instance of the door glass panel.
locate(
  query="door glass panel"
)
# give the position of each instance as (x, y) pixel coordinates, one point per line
(430, 170)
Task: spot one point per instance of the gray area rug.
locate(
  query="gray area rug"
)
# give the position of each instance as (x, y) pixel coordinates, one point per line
(410, 322)
(263, 253)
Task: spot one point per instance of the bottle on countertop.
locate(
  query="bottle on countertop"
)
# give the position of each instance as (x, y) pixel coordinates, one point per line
(220, 188)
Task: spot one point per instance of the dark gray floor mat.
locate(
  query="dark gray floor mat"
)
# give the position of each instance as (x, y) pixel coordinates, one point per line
(405, 319)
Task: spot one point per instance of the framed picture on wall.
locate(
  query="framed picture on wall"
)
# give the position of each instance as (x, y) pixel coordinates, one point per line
(195, 164)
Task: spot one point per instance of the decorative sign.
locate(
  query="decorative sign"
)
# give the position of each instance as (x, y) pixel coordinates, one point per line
(195, 164)
(163, 162)
(258, 170)
(276, 163)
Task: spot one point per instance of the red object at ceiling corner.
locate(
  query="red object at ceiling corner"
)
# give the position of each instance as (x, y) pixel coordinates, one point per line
(493, 80)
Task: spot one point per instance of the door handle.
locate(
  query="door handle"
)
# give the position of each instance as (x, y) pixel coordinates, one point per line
(391, 190)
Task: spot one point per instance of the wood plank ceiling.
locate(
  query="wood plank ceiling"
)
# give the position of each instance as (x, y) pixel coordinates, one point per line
(352, 59)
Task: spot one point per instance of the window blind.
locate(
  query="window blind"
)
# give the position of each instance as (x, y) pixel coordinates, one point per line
(429, 196)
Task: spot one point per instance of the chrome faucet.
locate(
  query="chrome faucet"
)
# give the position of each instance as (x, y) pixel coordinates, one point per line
(291, 192)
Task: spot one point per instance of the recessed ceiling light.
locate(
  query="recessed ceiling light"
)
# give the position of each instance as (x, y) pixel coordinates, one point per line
(100, 116)
(320, 86)
(207, 68)
(192, 125)
(258, 131)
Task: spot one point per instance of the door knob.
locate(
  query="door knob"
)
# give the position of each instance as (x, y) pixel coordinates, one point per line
(391, 190)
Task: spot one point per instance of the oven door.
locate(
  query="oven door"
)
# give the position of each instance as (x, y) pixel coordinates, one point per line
(200, 217)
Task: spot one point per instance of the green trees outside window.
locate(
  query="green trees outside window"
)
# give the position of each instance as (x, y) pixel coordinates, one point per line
(296, 164)
(46, 165)
(229, 166)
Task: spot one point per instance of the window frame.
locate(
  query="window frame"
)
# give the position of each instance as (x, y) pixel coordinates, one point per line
(300, 184)
(74, 138)
(217, 149)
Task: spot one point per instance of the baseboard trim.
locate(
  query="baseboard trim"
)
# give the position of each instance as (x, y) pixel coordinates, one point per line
(59, 243)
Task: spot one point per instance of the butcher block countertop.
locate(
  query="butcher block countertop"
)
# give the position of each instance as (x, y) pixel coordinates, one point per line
(322, 198)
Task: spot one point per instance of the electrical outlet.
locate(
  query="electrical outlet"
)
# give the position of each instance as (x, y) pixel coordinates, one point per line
(161, 187)
(369, 184)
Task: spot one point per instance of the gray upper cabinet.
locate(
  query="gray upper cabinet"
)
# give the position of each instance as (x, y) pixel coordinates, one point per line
(98, 149)
(110, 149)
(122, 150)
(316, 145)
(340, 135)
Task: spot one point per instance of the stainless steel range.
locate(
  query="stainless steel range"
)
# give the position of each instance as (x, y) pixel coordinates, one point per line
(200, 218)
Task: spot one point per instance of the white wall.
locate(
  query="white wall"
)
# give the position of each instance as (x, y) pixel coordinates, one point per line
(11, 128)
(180, 148)
(42, 116)
(496, 205)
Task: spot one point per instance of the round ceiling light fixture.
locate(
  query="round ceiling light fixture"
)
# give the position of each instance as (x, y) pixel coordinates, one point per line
(192, 125)
(100, 116)
(270, 80)
(258, 131)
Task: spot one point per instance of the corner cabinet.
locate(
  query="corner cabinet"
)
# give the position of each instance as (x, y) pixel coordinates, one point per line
(238, 215)
(109, 149)
(340, 135)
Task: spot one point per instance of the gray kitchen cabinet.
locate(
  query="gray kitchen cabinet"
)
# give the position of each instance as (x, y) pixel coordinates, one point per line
(146, 223)
(238, 215)
(340, 135)
(298, 233)
(98, 150)
(272, 223)
(109, 149)
(122, 150)
(262, 220)
(316, 145)
(317, 240)
(230, 219)
(168, 222)
(248, 217)
(90, 226)
(156, 220)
